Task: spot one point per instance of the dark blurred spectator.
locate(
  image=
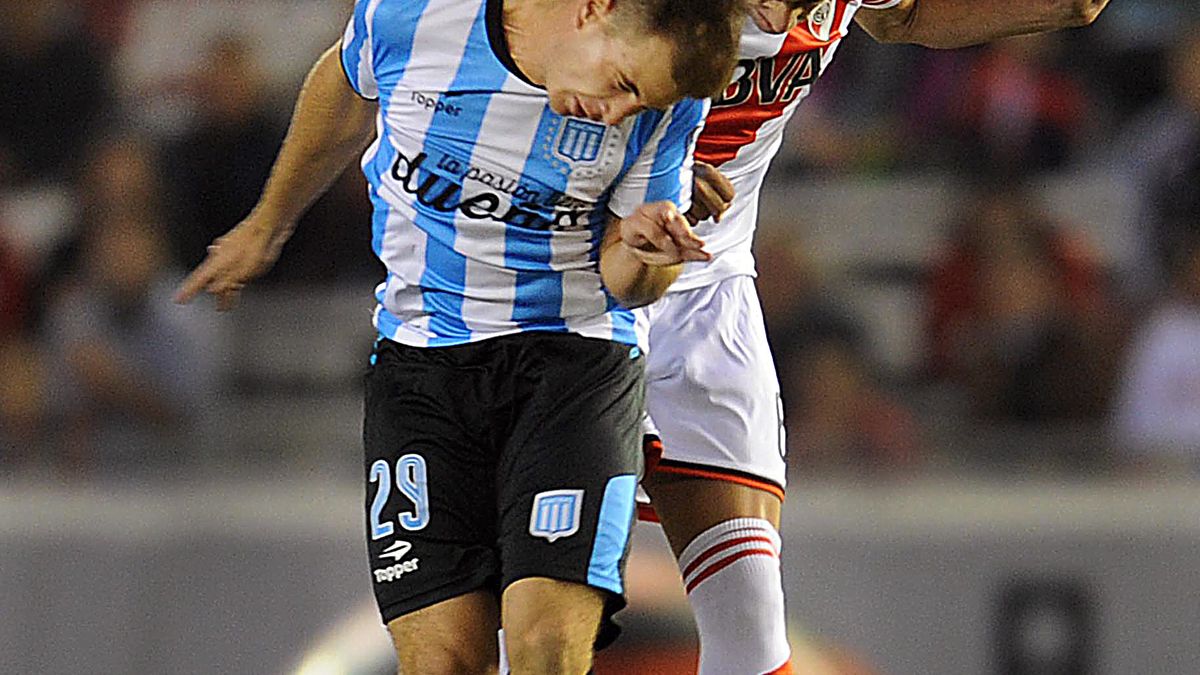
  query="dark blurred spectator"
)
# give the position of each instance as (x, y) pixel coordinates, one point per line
(14, 291)
(54, 86)
(217, 170)
(128, 366)
(1158, 412)
(839, 418)
(22, 402)
(117, 176)
(1017, 113)
(107, 20)
(1162, 153)
(20, 378)
(1019, 315)
(120, 173)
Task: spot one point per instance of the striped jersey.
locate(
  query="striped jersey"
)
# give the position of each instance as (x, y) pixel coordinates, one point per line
(489, 208)
(744, 130)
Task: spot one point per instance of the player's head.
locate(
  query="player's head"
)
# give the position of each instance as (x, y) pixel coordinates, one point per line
(627, 55)
(779, 16)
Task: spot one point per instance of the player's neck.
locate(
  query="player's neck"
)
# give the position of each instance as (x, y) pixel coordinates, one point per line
(529, 29)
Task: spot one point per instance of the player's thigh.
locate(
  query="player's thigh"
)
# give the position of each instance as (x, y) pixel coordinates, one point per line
(569, 474)
(712, 391)
(430, 497)
(687, 505)
(456, 636)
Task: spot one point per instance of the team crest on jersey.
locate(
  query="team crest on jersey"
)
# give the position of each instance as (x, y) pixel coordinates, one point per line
(580, 141)
(555, 514)
(820, 20)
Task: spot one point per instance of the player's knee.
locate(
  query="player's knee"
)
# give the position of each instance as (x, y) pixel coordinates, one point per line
(454, 637)
(447, 661)
(550, 646)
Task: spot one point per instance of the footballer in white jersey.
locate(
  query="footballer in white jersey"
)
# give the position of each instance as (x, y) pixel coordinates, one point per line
(715, 441)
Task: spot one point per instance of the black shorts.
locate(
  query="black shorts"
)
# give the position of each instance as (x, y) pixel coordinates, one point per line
(494, 461)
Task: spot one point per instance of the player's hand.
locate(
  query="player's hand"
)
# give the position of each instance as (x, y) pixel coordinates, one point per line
(242, 254)
(712, 193)
(1085, 12)
(659, 236)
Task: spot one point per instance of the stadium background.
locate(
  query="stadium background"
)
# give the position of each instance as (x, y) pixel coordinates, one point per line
(981, 275)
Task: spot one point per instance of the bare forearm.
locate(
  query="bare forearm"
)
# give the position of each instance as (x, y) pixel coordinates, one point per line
(330, 127)
(632, 282)
(643, 253)
(948, 24)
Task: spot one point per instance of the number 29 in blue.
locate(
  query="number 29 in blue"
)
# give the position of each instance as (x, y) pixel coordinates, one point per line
(412, 482)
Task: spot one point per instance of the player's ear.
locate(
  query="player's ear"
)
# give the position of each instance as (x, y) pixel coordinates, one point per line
(595, 10)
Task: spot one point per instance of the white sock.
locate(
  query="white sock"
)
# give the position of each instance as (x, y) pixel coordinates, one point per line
(731, 573)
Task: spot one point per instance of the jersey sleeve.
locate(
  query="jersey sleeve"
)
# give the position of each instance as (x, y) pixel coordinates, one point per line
(663, 167)
(357, 50)
(879, 4)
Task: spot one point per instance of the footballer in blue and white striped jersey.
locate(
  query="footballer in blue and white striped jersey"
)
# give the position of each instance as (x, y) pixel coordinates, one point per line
(489, 207)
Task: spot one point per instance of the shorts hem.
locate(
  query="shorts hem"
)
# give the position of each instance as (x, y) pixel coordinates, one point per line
(568, 576)
(720, 473)
(394, 610)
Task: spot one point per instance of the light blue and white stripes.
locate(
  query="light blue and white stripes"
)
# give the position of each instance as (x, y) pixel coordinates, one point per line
(489, 208)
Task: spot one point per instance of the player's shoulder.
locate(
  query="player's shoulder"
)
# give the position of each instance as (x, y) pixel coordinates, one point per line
(399, 19)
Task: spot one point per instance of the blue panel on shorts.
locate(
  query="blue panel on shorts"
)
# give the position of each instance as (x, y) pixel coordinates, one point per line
(612, 533)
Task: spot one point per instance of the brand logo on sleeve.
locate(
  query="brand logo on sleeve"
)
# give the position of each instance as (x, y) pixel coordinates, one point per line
(820, 20)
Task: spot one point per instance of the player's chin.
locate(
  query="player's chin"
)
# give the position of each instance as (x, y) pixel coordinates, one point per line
(566, 105)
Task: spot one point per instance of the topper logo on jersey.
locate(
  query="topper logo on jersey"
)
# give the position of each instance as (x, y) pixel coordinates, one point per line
(580, 141)
(555, 514)
(773, 79)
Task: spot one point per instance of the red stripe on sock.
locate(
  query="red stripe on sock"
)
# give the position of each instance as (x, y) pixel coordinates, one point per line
(646, 513)
(726, 562)
(717, 548)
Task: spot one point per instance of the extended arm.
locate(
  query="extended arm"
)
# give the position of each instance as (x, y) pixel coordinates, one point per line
(330, 127)
(947, 24)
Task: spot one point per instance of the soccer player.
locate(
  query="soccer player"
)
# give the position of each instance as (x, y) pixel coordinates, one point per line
(716, 479)
(529, 164)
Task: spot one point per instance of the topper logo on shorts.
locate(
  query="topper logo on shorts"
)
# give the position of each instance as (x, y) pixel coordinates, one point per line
(555, 514)
(396, 551)
(580, 141)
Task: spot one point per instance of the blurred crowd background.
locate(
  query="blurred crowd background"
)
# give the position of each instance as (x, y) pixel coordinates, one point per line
(974, 264)
(133, 133)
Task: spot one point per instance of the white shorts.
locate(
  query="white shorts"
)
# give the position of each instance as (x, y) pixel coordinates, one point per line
(711, 388)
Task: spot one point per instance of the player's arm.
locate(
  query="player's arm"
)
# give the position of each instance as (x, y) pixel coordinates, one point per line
(948, 24)
(648, 238)
(643, 253)
(330, 127)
